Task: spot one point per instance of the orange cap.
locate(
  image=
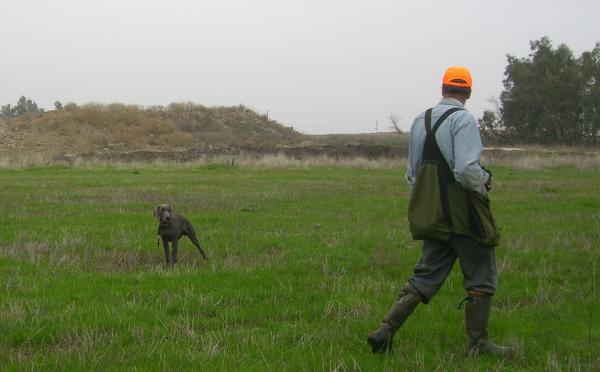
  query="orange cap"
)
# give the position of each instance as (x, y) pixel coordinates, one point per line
(458, 77)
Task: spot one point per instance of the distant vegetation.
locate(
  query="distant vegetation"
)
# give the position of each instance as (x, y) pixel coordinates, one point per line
(178, 132)
(549, 98)
(24, 105)
(91, 127)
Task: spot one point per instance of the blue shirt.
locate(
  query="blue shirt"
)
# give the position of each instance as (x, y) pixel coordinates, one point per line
(459, 141)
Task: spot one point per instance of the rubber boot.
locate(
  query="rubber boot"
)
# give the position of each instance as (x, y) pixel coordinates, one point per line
(381, 340)
(477, 313)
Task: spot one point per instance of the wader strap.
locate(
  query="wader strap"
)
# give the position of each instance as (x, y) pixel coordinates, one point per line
(431, 150)
(428, 120)
(439, 121)
(433, 154)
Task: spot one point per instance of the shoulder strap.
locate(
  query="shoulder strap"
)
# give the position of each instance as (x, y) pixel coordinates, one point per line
(439, 121)
(431, 150)
(433, 154)
(428, 120)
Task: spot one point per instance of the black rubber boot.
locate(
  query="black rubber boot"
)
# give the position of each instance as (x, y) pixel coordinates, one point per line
(381, 340)
(477, 313)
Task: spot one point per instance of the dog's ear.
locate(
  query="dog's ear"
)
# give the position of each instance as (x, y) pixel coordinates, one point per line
(155, 213)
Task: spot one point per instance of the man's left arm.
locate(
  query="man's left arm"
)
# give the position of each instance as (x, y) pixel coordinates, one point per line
(467, 153)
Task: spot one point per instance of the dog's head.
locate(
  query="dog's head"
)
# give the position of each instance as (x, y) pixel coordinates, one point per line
(163, 214)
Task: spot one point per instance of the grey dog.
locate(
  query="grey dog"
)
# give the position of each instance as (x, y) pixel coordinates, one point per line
(171, 227)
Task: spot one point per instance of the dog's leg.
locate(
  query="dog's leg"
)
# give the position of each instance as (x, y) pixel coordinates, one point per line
(174, 253)
(192, 236)
(166, 247)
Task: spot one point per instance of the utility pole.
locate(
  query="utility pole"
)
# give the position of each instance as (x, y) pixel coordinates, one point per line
(376, 126)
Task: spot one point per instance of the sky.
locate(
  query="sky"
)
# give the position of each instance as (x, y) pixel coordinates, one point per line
(317, 66)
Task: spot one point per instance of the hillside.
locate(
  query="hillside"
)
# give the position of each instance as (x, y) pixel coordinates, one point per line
(104, 128)
(180, 131)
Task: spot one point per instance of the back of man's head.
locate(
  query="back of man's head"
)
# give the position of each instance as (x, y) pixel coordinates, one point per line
(457, 83)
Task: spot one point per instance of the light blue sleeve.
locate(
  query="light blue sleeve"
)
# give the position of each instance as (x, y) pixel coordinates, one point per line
(415, 153)
(467, 152)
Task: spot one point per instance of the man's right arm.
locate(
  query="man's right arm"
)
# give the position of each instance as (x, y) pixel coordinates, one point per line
(414, 155)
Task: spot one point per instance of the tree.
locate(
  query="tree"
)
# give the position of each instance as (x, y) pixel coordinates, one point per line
(590, 93)
(21, 106)
(58, 106)
(489, 125)
(540, 101)
(31, 106)
(7, 111)
(395, 120)
(71, 106)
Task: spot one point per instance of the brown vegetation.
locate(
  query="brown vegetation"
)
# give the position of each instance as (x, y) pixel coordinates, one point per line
(180, 132)
(535, 158)
(96, 129)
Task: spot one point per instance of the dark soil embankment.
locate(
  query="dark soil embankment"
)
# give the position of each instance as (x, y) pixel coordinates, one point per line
(297, 152)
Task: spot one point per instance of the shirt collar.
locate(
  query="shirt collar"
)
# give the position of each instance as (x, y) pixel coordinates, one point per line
(451, 102)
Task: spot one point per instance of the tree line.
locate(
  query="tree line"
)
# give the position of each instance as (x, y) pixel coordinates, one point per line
(23, 106)
(549, 97)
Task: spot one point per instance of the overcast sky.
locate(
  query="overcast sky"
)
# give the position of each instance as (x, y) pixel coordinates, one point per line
(319, 66)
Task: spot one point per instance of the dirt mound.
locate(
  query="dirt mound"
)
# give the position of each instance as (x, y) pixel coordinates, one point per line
(93, 129)
(178, 132)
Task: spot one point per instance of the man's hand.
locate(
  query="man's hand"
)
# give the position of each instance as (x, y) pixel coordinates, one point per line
(488, 183)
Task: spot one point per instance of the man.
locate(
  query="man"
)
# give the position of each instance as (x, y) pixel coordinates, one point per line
(458, 139)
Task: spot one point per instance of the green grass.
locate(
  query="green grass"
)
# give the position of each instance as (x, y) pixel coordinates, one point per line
(303, 264)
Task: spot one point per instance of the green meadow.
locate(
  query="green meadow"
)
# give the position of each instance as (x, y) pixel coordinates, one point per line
(304, 263)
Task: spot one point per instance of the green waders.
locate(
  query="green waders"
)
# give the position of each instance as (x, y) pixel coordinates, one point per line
(381, 340)
(477, 313)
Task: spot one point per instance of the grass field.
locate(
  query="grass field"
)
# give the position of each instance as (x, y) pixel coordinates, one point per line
(304, 263)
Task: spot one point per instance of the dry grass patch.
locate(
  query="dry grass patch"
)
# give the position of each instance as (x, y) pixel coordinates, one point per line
(533, 158)
(72, 251)
(269, 161)
(535, 162)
